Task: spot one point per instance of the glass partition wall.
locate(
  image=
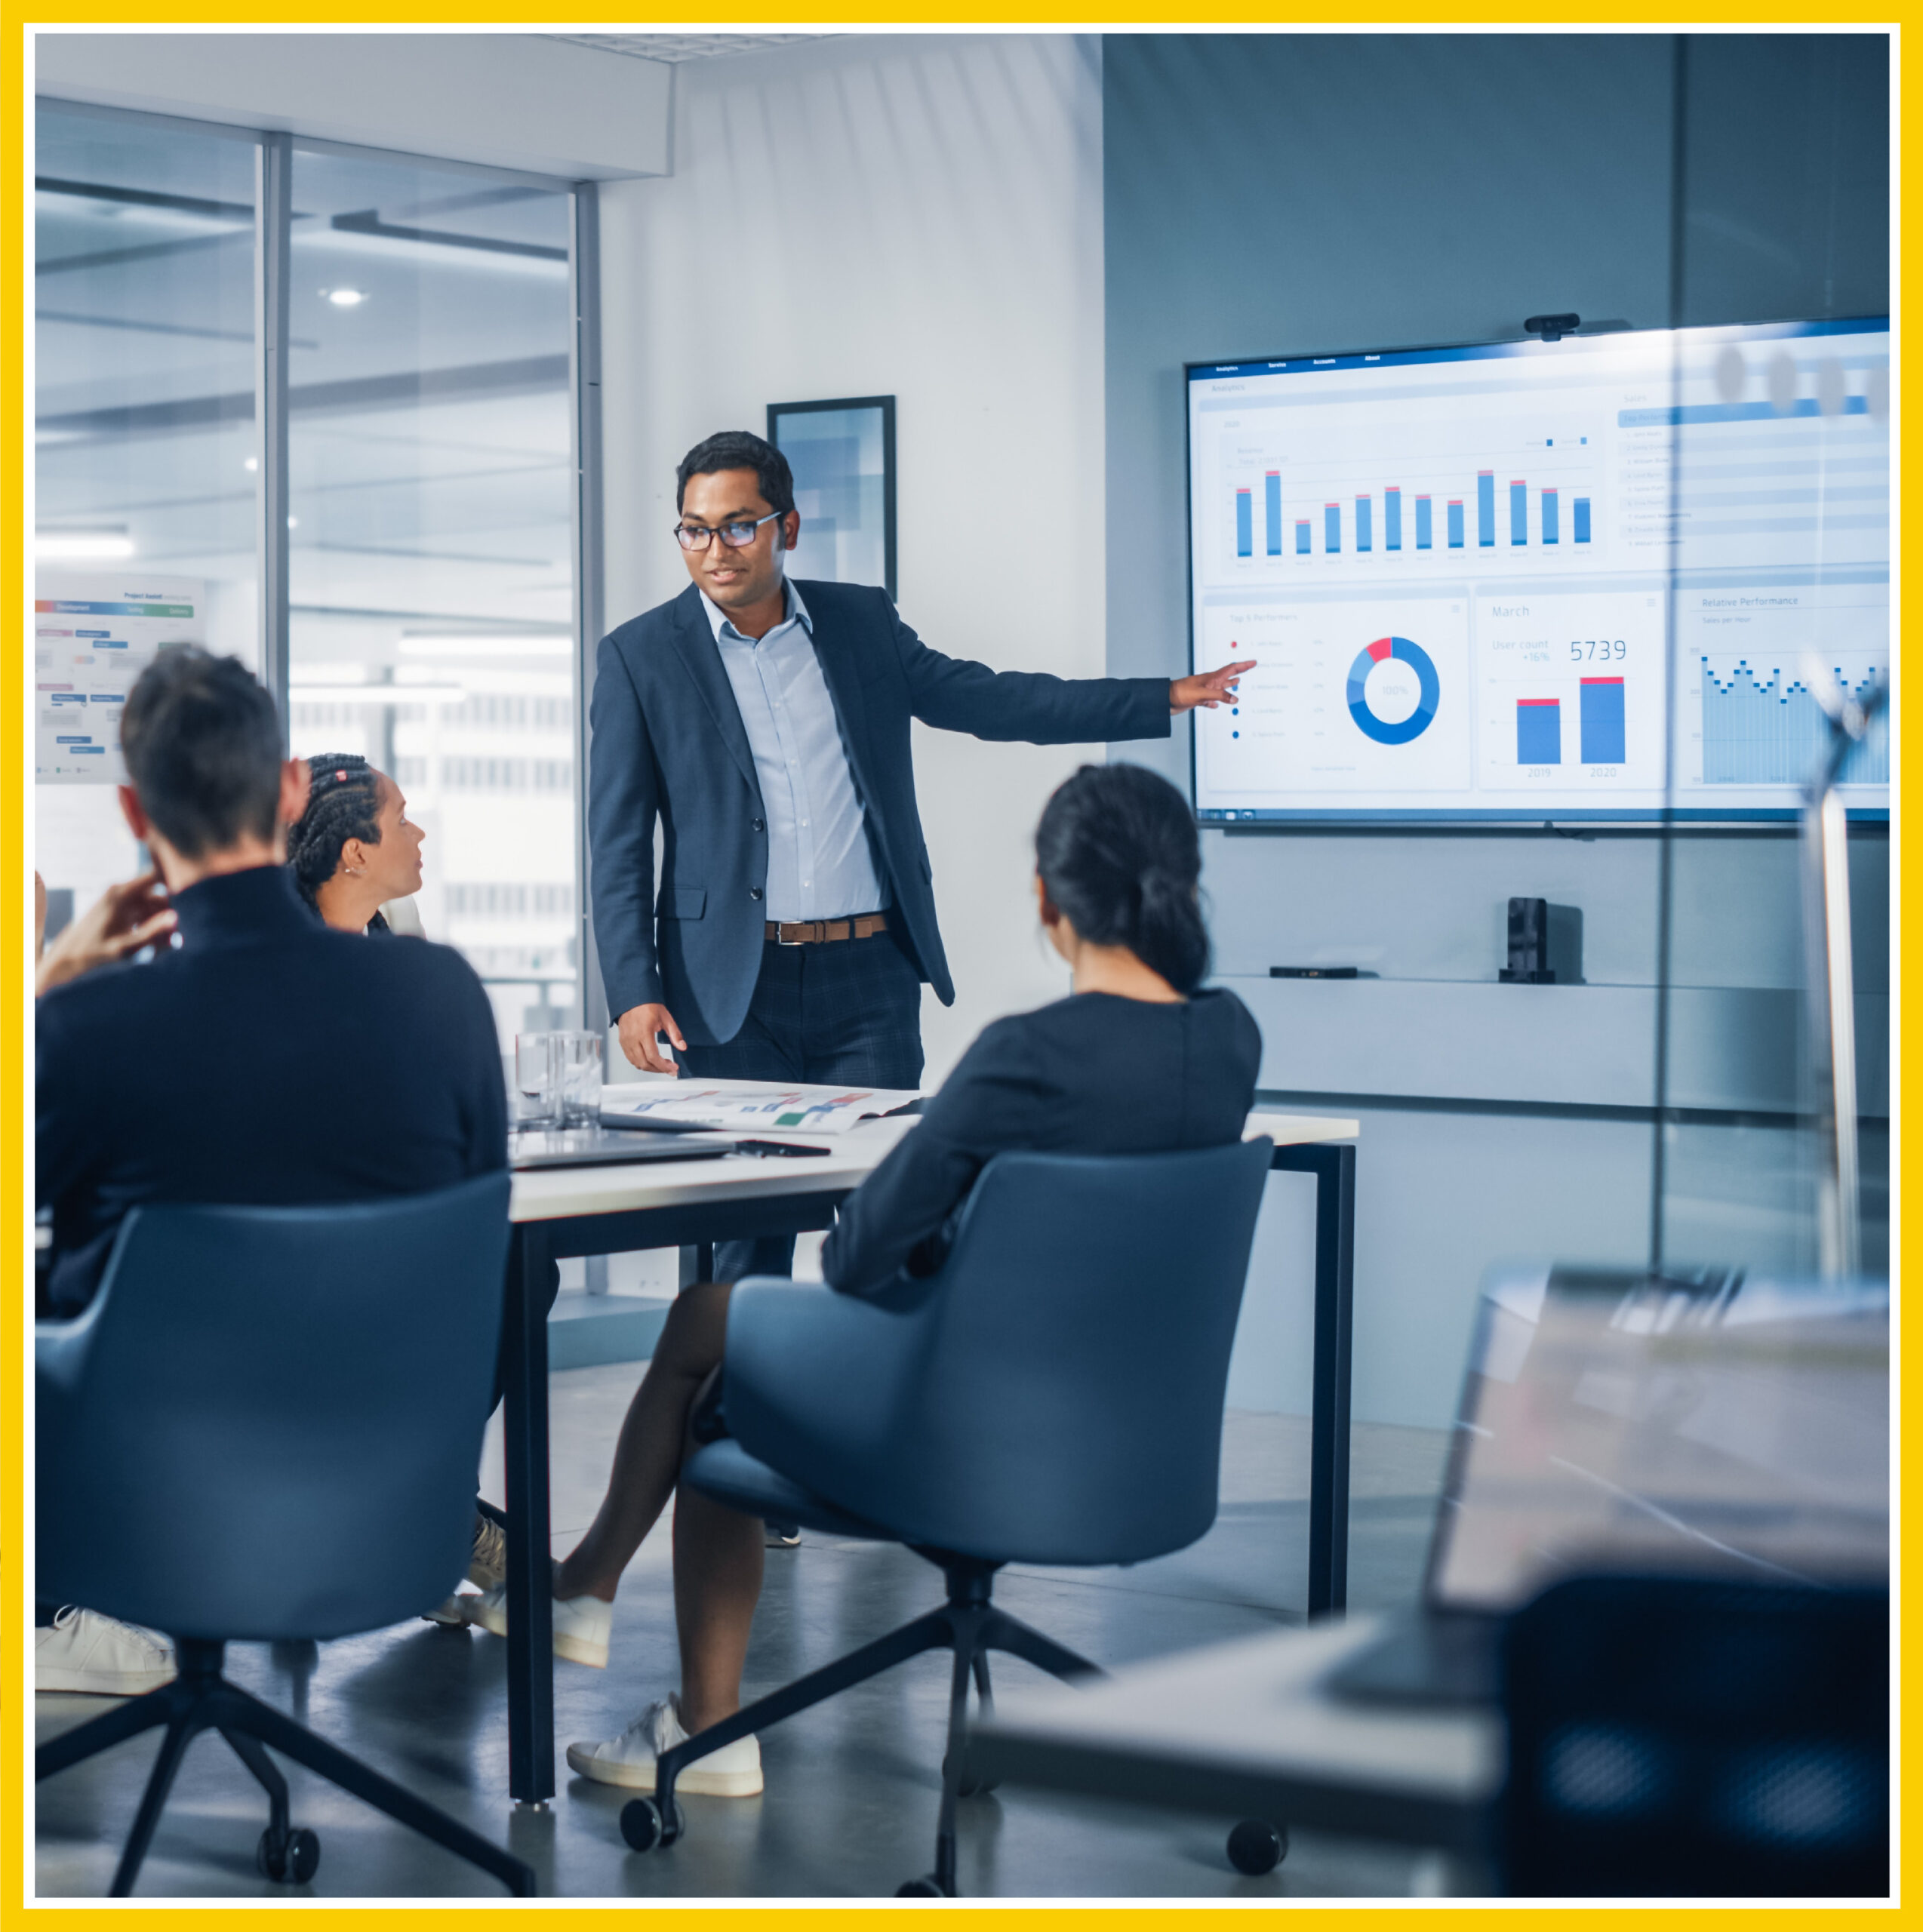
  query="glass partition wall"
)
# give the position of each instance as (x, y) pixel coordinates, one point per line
(144, 458)
(430, 498)
(1777, 465)
(428, 427)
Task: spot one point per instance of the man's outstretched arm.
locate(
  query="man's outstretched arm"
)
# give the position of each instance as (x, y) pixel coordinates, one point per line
(956, 694)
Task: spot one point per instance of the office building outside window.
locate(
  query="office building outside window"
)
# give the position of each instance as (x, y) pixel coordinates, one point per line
(430, 541)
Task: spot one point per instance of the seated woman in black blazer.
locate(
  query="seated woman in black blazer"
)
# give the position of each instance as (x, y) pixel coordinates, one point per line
(1136, 1060)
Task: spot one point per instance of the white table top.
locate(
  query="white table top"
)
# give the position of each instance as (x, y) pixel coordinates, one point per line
(555, 1193)
(1258, 1709)
(548, 1194)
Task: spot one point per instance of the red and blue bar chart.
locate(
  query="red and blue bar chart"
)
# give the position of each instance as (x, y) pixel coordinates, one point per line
(1601, 725)
(1604, 732)
(1538, 731)
(1371, 536)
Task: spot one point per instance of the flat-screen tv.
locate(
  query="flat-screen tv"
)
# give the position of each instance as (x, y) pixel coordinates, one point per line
(1455, 571)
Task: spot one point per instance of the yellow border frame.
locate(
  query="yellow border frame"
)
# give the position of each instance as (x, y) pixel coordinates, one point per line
(18, 22)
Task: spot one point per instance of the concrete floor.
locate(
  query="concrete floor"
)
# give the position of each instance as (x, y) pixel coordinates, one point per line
(852, 1785)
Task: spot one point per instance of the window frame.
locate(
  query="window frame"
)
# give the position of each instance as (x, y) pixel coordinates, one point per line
(273, 165)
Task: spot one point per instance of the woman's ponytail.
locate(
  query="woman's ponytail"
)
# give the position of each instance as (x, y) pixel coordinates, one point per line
(1170, 935)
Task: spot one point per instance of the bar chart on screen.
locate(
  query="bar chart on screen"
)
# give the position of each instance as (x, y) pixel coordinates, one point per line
(1762, 724)
(1570, 689)
(1752, 665)
(1390, 502)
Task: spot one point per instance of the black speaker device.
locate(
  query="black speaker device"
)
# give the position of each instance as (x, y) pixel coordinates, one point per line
(1528, 944)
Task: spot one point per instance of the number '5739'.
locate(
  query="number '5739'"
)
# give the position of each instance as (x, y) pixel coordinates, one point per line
(1598, 650)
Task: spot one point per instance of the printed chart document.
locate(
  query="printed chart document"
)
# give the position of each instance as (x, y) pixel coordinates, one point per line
(93, 636)
(748, 1106)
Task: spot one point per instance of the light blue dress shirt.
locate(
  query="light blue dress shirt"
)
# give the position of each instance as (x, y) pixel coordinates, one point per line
(819, 863)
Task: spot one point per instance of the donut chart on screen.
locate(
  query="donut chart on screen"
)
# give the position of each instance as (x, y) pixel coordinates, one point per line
(1428, 691)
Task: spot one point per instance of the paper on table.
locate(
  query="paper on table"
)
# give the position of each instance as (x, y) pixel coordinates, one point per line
(743, 1106)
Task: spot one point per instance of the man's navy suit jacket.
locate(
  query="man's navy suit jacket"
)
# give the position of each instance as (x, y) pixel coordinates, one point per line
(669, 742)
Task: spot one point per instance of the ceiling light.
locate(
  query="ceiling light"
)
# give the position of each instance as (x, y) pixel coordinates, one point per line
(346, 298)
(53, 544)
(487, 646)
(252, 463)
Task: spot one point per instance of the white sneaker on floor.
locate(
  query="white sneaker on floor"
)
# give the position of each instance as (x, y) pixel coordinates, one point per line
(581, 1624)
(486, 1566)
(84, 1651)
(733, 1771)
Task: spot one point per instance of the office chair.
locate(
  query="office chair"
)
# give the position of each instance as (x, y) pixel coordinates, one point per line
(264, 1426)
(1053, 1396)
(1677, 1738)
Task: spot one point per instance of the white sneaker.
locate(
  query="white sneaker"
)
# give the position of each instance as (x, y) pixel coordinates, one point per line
(486, 1566)
(581, 1624)
(93, 1654)
(733, 1771)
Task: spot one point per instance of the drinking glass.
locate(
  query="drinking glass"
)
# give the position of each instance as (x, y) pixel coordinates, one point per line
(537, 1073)
(580, 1078)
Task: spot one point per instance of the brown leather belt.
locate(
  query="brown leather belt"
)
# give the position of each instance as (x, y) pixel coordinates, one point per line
(818, 932)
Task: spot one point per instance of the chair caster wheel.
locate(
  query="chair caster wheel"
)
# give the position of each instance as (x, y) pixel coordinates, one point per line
(923, 1888)
(646, 1828)
(291, 1860)
(1256, 1847)
(972, 1787)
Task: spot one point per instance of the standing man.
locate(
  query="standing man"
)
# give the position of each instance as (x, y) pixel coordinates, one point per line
(765, 724)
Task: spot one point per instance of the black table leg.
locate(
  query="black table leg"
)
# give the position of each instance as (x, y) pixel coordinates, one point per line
(1333, 1165)
(530, 1592)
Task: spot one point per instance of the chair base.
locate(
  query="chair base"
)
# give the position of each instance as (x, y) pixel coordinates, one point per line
(968, 1626)
(201, 1699)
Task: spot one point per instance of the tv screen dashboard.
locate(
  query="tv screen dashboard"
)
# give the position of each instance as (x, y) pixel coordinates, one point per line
(1451, 568)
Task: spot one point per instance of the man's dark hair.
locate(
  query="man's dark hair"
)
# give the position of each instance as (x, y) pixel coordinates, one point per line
(202, 744)
(739, 449)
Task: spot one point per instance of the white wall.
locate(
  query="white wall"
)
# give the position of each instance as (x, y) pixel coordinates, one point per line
(919, 217)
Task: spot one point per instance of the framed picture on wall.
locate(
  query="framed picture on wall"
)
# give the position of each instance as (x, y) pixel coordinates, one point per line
(843, 454)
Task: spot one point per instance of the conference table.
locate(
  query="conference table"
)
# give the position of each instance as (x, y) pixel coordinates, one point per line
(620, 1208)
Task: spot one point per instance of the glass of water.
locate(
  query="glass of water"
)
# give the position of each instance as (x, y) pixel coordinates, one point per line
(537, 1079)
(580, 1078)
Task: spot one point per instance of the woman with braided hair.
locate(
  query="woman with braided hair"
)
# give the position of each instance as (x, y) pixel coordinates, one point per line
(354, 848)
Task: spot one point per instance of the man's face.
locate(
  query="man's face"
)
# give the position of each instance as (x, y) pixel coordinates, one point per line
(736, 580)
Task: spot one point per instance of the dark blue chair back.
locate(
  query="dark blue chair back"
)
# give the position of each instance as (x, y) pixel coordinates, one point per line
(1054, 1395)
(268, 1422)
(1676, 1738)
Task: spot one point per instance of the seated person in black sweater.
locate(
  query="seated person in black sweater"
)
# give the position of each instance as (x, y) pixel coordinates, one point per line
(1137, 1061)
(262, 1058)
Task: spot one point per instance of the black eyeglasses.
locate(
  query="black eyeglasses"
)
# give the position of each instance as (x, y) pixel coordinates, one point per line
(737, 536)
